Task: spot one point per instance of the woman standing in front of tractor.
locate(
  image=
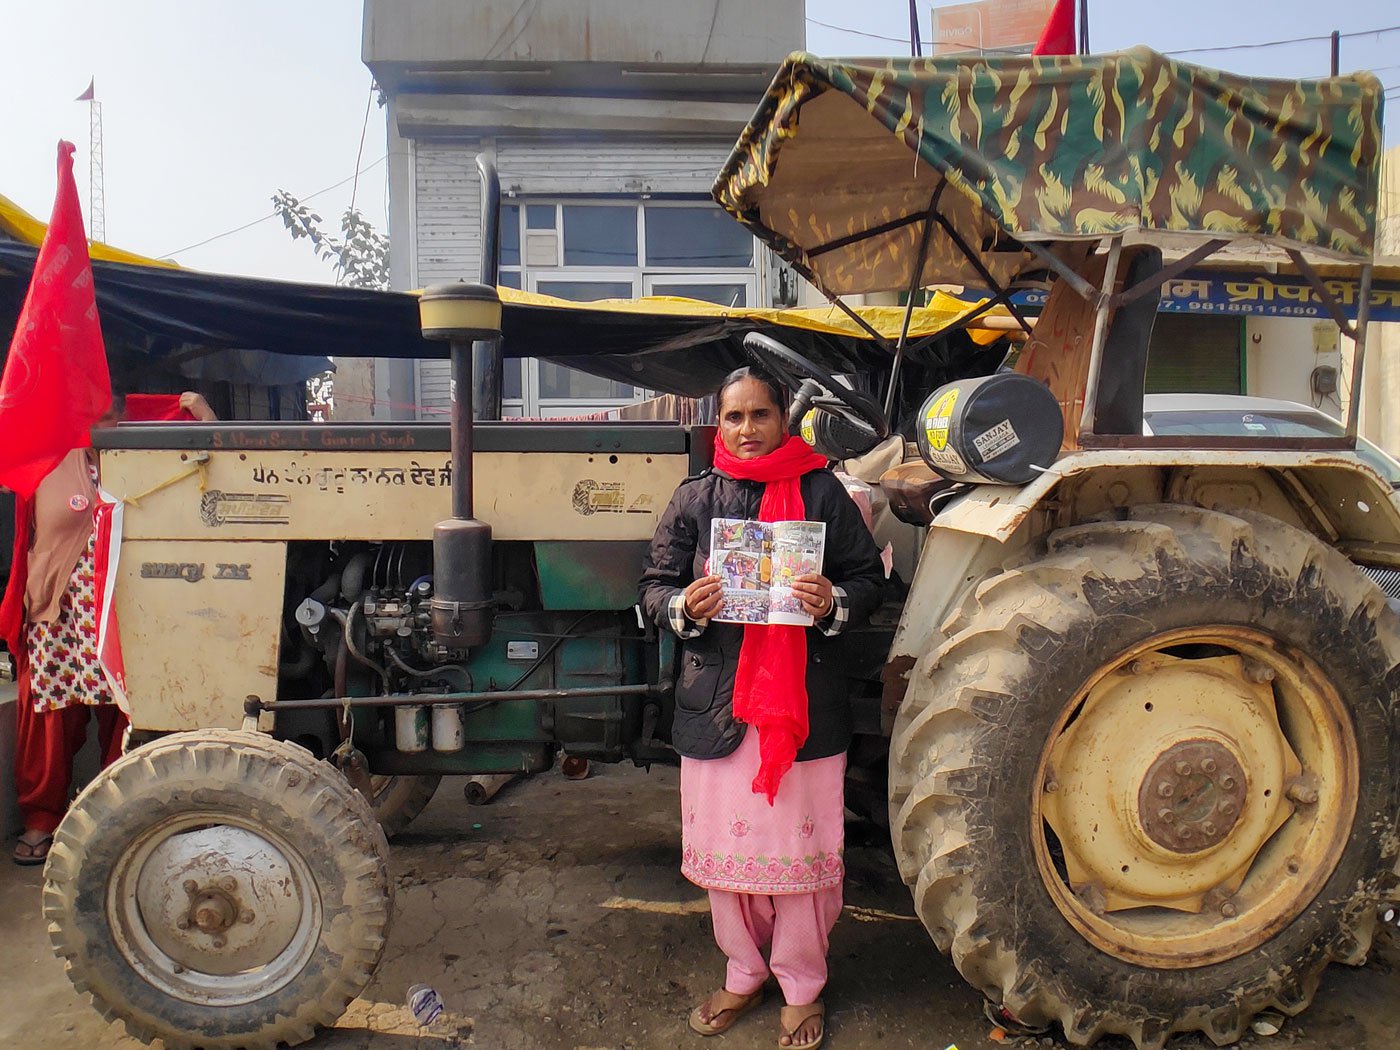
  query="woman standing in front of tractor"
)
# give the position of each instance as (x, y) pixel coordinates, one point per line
(762, 716)
(48, 620)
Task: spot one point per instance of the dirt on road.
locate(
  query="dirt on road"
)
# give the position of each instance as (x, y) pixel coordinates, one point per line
(554, 918)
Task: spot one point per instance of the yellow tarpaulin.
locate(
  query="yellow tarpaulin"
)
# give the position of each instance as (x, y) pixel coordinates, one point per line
(26, 229)
(942, 312)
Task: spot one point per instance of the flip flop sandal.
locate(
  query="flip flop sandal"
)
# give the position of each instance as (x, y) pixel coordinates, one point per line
(817, 1010)
(1005, 1019)
(34, 853)
(727, 1016)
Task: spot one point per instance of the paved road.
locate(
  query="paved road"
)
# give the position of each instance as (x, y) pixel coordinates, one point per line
(554, 919)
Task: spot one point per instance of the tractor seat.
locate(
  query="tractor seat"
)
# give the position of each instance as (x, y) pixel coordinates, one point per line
(910, 488)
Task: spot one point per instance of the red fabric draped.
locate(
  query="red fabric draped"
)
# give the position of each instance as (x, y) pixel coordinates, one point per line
(155, 408)
(770, 686)
(55, 384)
(1057, 38)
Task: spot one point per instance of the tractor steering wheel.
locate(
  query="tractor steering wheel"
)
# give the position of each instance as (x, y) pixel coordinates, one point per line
(812, 385)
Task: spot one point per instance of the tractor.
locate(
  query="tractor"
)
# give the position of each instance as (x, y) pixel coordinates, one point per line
(1131, 720)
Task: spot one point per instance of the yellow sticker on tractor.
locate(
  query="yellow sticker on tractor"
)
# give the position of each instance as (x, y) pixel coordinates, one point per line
(808, 428)
(938, 418)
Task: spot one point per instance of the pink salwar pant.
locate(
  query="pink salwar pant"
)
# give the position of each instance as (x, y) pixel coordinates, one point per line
(798, 927)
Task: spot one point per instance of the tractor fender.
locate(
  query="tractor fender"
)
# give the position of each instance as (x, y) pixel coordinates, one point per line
(1333, 495)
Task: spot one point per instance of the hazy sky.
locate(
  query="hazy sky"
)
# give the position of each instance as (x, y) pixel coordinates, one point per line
(210, 107)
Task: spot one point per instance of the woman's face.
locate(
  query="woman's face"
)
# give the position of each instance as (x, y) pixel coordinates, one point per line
(750, 421)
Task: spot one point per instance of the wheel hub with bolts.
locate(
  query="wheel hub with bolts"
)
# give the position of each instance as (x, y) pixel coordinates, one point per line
(1170, 781)
(1192, 796)
(219, 901)
(1174, 786)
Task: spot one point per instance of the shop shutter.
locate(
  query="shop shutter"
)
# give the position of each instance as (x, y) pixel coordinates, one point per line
(1194, 355)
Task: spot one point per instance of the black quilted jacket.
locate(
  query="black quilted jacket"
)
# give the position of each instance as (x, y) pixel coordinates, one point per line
(704, 723)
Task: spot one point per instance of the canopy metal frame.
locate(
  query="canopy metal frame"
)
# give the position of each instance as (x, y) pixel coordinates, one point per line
(1103, 298)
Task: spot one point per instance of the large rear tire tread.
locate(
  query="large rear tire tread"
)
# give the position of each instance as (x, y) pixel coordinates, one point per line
(282, 784)
(980, 707)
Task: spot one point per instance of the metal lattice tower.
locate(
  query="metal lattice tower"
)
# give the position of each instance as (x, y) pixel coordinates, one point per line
(97, 205)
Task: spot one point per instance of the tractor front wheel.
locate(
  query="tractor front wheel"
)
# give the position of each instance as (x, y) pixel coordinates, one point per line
(1148, 784)
(219, 889)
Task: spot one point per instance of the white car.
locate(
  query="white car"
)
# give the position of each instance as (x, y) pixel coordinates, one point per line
(1235, 415)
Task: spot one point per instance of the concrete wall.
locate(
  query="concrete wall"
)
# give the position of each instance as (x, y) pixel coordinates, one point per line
(658, 32)
(1280, 355)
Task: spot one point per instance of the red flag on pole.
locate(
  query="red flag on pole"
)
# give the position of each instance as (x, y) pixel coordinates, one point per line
(88, 95)
(1057, 38)
(55, 384)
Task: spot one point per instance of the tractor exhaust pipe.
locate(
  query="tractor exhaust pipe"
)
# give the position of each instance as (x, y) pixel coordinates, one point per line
(463, 608)
(487, 372)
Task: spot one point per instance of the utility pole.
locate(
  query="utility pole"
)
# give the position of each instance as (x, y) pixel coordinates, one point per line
(916, 47)
(1083, 27)
(97, 205)
(1336, 52)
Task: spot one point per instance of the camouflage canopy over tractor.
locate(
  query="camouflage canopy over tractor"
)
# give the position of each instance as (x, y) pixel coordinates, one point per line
(1037, 149)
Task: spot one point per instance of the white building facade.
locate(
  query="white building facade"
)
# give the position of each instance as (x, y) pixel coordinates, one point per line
(607, 121)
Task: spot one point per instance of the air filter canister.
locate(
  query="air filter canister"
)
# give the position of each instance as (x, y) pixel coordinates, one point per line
(996, 429)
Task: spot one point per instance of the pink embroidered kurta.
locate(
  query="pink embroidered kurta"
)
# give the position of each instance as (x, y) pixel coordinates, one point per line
(732, 839)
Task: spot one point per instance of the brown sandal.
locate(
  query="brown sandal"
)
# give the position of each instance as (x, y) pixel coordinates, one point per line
(817, 1010)
(30, 851)
(726, 1016)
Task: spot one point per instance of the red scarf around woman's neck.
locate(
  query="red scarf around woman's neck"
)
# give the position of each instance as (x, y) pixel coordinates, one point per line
(770, 687)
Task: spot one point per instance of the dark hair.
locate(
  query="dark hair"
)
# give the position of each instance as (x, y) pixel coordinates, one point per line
(775, 389)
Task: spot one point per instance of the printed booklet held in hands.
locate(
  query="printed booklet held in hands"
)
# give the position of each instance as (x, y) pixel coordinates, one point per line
(757, 561)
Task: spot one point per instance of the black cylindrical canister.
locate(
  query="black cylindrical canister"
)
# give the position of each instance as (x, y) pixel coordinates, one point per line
(1002, 428)
(463, 607)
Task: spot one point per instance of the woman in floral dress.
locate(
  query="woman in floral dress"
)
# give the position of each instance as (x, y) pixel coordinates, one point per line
(762, 716)
(51, 627)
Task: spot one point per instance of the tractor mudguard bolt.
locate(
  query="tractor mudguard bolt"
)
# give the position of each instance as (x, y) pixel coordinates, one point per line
(1208, 829)
(1227, 806)
(1183, 769)
(1166, 816)
(1229, 910)
(1301, 793)
(1208, 766)
(1165, 790)
(1258, 673)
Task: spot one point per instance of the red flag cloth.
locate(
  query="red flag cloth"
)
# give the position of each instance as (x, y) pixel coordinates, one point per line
(770, 685)
(89, 94)
(12, 605)
(55, 384)
(1057, 38)
(155, 408)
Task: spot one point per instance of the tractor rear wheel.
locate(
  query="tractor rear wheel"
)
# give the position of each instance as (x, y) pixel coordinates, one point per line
(1148, 783)
(399, 799)
(219, 889)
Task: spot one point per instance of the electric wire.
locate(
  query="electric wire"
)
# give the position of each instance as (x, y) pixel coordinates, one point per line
(272, 215)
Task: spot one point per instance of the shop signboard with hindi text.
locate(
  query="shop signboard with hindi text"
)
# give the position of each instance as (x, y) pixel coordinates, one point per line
(999, 26)
(1215, 292)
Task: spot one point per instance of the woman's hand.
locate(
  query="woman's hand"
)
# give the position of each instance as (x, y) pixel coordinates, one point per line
(196, 406)
(703, 598)
(813, 590)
